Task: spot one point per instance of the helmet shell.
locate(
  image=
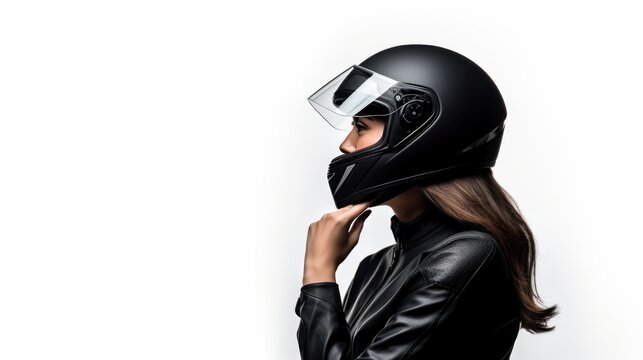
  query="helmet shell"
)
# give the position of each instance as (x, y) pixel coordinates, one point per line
(463, 135)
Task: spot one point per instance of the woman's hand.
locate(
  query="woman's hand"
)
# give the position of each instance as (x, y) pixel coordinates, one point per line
(330, 241)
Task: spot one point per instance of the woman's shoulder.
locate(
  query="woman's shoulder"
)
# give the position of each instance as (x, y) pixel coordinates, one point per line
(457, 259)
(469, 238)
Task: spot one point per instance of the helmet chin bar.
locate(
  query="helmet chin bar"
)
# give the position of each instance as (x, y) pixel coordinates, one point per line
(380, 194)
(386, 195)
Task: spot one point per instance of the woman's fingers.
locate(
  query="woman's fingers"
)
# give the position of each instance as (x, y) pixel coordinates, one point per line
(350, 212)
(357, 227)
(331, 238)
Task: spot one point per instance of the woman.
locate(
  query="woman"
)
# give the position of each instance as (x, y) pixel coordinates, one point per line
(425, 130)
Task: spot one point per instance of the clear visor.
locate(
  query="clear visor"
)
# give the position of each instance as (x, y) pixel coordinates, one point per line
(356, 92)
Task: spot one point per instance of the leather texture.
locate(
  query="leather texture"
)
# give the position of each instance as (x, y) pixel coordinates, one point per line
(442, 291)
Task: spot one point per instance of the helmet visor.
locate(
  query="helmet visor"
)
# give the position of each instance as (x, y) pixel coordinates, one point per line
(356, 92)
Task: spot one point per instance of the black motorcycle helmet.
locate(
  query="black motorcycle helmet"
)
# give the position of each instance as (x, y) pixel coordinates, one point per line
(444, 118)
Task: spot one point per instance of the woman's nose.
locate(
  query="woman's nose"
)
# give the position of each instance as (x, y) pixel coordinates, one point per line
(347, 145)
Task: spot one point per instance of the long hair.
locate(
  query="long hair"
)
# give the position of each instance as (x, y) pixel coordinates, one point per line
(478, 200)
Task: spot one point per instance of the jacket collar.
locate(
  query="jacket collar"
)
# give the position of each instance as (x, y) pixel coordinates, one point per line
(409, 233)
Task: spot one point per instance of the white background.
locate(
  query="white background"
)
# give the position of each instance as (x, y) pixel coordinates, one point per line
(159, 166)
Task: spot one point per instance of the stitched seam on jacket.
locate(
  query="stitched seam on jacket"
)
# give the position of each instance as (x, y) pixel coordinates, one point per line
(464, 234)
(317, 297)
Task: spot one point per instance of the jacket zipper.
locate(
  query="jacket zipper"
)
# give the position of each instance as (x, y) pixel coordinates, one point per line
(396, 250)
(394, 257)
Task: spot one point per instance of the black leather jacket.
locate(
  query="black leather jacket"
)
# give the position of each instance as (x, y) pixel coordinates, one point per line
(443, 291)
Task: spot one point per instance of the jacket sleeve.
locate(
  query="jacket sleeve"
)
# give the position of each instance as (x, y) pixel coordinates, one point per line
(324, 334)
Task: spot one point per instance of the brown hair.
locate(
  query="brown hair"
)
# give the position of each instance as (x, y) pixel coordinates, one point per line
(478, 200)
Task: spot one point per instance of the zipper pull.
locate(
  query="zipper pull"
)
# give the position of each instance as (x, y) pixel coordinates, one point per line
(394, 256)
